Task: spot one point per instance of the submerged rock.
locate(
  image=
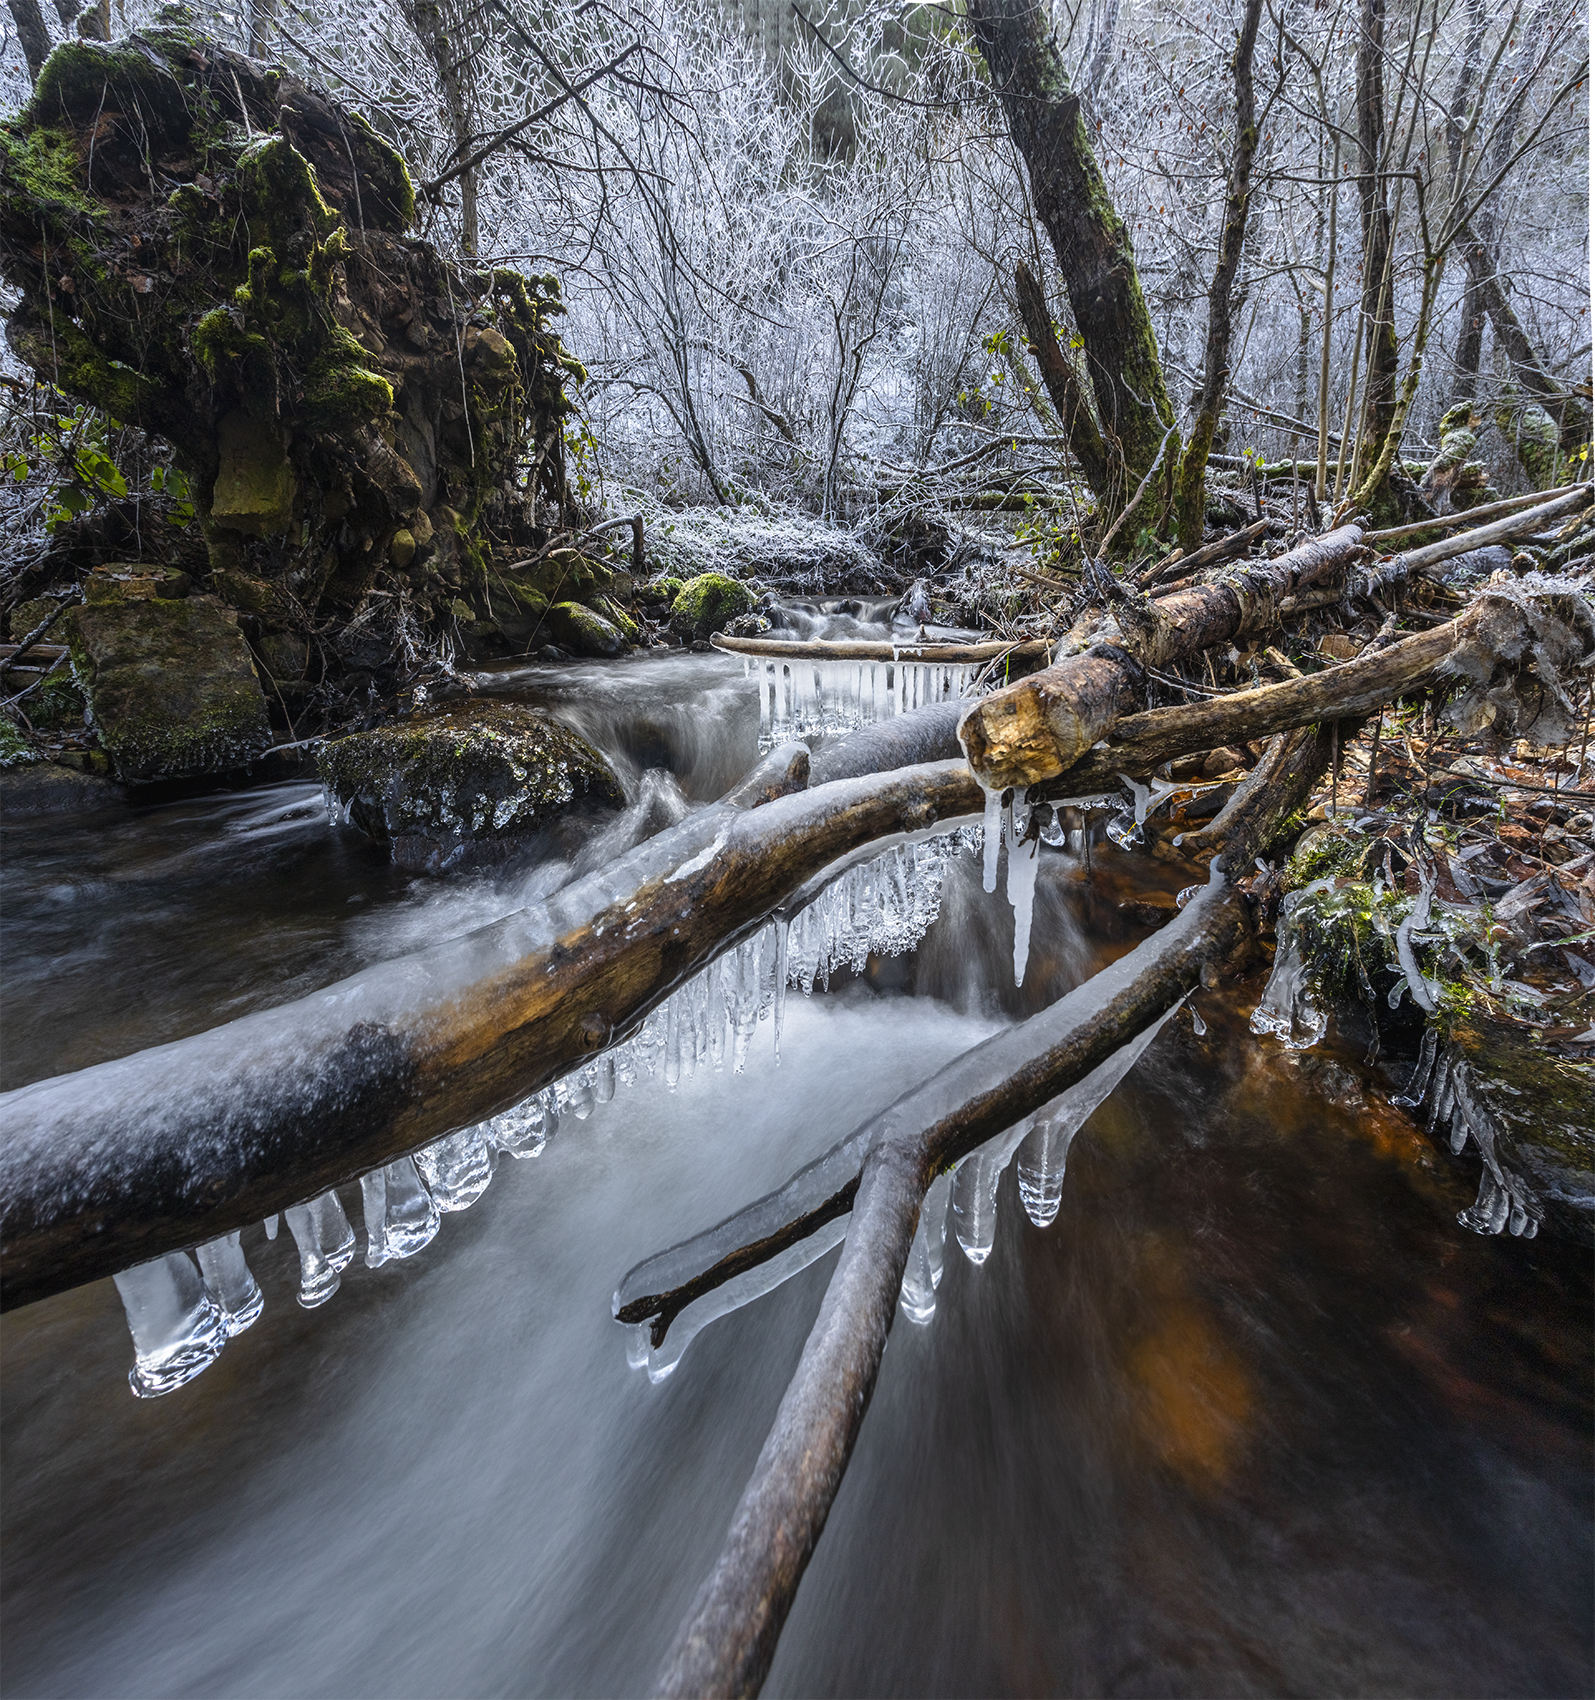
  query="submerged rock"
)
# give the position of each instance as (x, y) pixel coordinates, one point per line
(465, 784)
(707, 604)
(170, 685)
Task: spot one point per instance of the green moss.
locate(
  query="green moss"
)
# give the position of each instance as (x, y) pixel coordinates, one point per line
(43, 166)
(584, 631)
(708, 604)
(15, 750)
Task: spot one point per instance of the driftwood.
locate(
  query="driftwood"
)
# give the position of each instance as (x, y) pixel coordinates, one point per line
(728, 1639)
(172, 1147)
(1033, 730)
(953, 654)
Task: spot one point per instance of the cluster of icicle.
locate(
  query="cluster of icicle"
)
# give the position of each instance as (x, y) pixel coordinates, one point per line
(1042, 1143)
(1446, 1081)
(798, 697)
(181, 1316)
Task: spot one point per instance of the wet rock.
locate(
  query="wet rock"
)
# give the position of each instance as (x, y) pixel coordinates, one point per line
(747, 626)
(170, 685)
(47, 788)
(254, 483)
(585, 631)
(1526, 1105)
(708, 604)
(466, 784)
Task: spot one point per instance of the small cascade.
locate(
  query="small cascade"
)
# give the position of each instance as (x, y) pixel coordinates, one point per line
(178, 1329)
(923, 1275)
(798, 697)
(236, 1292)
(326, 1247)
(402, 1217)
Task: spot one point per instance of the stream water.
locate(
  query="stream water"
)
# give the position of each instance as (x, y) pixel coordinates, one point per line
(1251, 1415)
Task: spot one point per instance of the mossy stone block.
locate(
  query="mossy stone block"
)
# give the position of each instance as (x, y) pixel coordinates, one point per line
(254, 482)
(171, 686)
(585, 632)
(708, 604)
(465, 784)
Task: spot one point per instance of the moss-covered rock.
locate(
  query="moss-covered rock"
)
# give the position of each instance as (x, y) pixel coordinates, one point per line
(171, 686)
(584, 631)
(465, 784)
(708, 604)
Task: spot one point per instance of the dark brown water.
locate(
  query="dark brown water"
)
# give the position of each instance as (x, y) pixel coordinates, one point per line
(1254, 1415)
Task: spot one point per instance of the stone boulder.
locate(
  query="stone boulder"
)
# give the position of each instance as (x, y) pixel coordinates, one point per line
(466, 784)
(170, 684)
(584, 631)
(706, 604)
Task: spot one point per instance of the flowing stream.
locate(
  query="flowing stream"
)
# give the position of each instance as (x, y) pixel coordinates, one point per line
(1250, 1413)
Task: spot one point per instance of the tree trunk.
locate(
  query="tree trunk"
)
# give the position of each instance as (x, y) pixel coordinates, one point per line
(442, 38)
(1378, 294)
(1089, 240)
(32, 35)
(1064, 389)
(1189, 493)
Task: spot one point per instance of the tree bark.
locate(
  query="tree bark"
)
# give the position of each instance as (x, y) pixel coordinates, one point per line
(1378, 295)
(1189, 489)
(1089, 239)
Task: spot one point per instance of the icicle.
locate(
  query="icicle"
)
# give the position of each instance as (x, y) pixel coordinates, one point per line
(1198, 1025)
(232, 1286)
(458, 1169)
(177, 1327)
(783, 929)
(992, 828)
(1489, 1212)
(923, 1275)
(604, 1078)
(523, 1131)
(1419, 1084)
(1042, 1158)
(401, 1215)
(1287, 1009)
(1024, 861)
(271, 1224)
(975, 1204)
(326, 1244)
(579, 1093)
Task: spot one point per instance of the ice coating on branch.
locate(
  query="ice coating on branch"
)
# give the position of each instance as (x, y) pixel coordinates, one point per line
(798, 696)
(177, 1327)
(457, 1170)
(326, 1245)
(1024, 862)
(401, 1217)
(661, 1360)
(991, 829)
(923, 1275)
(234, 1289)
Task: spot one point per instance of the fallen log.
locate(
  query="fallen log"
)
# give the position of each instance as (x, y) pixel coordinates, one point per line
(728, 1639)
(172, 1147)
(850, 649)
(1033, 730)
(1492, 630)
(1470, 517)
(1401, 567)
